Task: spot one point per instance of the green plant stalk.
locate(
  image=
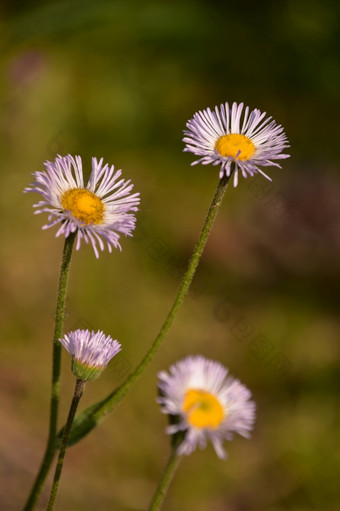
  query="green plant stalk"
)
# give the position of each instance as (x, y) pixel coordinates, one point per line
(164, 482)
(78, 392)
(90, 417)
(55, 387)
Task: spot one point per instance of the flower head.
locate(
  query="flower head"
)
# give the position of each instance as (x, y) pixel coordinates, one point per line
(206, 403)
(90, 351)
(99, 210)
(226, 135)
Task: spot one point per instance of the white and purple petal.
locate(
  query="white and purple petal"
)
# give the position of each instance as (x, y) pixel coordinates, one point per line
(66, 173)
(199, 373)
(208, 126)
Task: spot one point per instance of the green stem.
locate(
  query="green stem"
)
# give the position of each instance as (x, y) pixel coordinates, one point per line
(56, 361)
(183, 289)
(94, 414)
(78, 391)
(164, 483)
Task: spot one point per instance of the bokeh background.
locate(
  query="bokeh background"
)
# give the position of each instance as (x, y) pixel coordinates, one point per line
(119, 79)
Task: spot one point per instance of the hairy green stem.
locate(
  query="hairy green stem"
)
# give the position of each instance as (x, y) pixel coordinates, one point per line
(78, 391)
(55, 387)
(164, 482)
(86, 421)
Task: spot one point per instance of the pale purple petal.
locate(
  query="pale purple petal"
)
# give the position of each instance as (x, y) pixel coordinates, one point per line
(207, 126)
(89, 348)
(199, 373)
(66, 173)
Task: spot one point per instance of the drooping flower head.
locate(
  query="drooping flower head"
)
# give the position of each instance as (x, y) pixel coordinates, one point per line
(99, 210)
(90, 351)
(205, 404)
(229, 135)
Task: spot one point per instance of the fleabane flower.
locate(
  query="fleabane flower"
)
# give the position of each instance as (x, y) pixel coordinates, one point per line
(226, 136)
(99, 210)
(90, 352)
(204, 404)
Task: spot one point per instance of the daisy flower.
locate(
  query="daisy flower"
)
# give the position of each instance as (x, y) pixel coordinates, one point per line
(229, 135)
(90, 351)
(99, 210)
(206, 404)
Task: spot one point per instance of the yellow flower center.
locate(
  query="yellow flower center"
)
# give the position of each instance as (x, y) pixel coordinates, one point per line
(235, 146)
(203, 410)
(84, 205)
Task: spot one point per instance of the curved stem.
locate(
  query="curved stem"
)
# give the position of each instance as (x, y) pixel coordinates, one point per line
(164, 483)
(78, 391)
(56, 361)
(90, 417)
(183, 289)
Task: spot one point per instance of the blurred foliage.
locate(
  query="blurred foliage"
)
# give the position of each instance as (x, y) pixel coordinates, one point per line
(119, 79)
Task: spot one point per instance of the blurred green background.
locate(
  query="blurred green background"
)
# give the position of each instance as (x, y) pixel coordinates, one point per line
(119, 79)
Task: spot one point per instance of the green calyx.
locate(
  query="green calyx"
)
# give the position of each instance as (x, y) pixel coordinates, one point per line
(85, 372)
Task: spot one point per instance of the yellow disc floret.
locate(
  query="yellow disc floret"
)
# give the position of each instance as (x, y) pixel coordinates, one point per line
(235, 146)
(83, 205)
(202, 409)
